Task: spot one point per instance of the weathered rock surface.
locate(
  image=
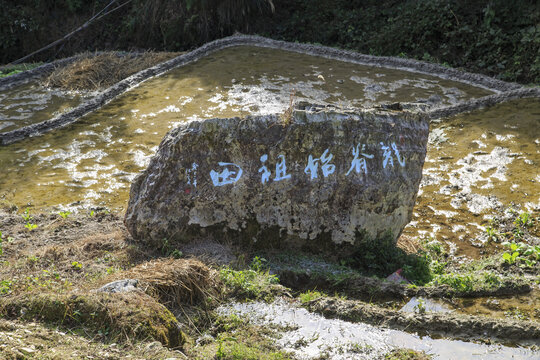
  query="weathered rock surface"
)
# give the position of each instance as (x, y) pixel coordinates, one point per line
(323, 174)
(119, 286)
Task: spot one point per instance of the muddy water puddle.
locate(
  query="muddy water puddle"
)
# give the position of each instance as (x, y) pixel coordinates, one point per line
(311, 336)
(32, 103)
(518, 307)
(476, 165)
(92, 162)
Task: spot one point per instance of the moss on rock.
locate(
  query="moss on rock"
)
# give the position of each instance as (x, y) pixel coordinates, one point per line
(123, 316)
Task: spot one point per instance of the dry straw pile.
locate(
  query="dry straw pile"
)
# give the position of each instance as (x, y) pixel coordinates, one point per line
(176, 282)
(99, 71)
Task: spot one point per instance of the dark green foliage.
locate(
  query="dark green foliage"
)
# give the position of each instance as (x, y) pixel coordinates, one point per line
(495, 37)
(28, 25)
(175, 25)
(381, 257)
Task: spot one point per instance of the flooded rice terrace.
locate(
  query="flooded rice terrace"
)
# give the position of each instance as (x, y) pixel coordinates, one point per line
(92, 162)
(32, 103)
(477, 163)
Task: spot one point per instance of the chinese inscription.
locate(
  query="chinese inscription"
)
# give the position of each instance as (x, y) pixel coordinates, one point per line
(359, 164)
(326, 167)
(230, 173)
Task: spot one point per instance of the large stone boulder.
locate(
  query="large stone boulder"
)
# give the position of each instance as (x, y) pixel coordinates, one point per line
(316, 174)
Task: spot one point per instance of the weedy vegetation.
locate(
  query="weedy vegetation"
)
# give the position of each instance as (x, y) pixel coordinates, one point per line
(64, 214)
(310, 295)
(17, 69)
(27, 218)
(286, 117)
(524, 255)
(256, 282)
(381, 257)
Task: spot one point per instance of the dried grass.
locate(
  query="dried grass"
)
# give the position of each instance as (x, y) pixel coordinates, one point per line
(176, 282)
(408, 244)
(95, 72)
(127, 316)
(85, 250)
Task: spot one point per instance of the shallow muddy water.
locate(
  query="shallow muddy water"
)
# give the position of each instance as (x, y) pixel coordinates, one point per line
(310, 336)
(32, 103)
(519, 307)
(92, 162)
(476, 165)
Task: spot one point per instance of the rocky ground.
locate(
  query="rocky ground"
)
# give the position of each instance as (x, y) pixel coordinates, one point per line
(52, 266)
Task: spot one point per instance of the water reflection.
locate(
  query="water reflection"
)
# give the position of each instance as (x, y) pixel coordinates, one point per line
(92, 162)
(311, 336)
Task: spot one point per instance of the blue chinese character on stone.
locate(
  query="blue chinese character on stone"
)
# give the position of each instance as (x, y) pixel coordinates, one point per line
(281, 170)
(327, 168)
(192, 175)
(387, 155)
(313, 165)
(264, 170)
(396, 151)
(358, 163)
(227, 176)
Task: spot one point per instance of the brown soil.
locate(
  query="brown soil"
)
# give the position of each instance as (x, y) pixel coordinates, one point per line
(100, 71)
(51, 273)
(124, 317)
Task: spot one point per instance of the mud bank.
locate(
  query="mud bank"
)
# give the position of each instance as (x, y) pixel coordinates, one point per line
(484, 102)
(9, 82)
(367, 289)
(106, 96)
(433, 324)
(311, 336)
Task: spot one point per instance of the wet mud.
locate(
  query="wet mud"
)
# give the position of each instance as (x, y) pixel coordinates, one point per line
(477, 166)
(360, 331)
(433, 324)
(373, 289)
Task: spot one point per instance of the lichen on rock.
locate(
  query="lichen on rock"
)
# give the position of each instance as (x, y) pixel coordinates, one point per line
(330, 175)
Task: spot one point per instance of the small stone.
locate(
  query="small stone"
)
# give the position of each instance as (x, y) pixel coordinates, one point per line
(154, 345)
(119, 286)
(205, 339)
(493, 304)
(27, 350)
